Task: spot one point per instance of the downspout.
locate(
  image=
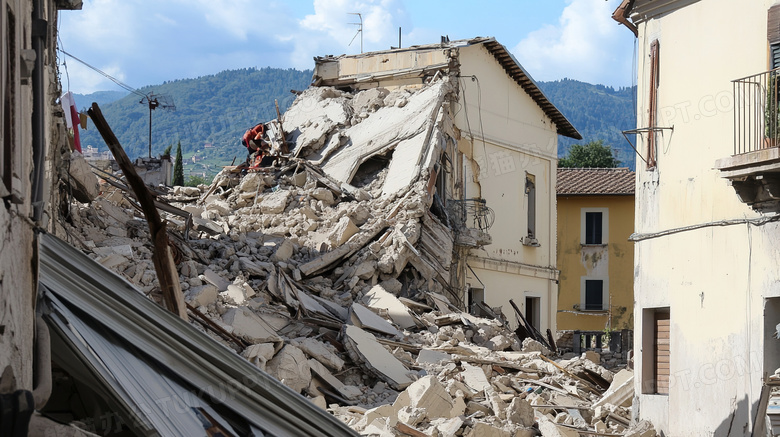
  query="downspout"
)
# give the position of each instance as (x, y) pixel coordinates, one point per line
(621, 16)
(39, 33)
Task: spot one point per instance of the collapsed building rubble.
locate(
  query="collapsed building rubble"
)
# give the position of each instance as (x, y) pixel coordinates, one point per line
(337, 270)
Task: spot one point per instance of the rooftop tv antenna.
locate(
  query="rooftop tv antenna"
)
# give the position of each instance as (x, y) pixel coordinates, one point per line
(153, 100)
(359, 31)
(156, 101)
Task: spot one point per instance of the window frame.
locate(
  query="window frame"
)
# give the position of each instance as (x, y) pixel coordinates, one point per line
(604, 226)
(604, 293)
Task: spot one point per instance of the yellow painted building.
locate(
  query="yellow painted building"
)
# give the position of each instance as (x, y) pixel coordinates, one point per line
(596, 260)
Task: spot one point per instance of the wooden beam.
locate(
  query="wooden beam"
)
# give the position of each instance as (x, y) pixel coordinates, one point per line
(161, 253)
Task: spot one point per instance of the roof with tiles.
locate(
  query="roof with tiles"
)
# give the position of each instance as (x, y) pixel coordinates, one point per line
(595, 181)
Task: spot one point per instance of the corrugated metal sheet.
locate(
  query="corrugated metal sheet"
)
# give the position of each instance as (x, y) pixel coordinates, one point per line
(144, 354)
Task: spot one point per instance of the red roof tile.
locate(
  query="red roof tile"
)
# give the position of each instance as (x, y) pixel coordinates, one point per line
(602, 181)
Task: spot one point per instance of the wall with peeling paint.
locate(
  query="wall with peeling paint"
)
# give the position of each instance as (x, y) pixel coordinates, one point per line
(509, 136)
(714, 280)
(613, 261)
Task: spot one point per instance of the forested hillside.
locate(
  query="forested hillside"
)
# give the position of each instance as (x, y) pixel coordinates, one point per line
(212, 112)
(598, 113)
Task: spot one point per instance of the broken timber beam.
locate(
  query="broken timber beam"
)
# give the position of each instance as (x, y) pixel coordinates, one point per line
(161, 254)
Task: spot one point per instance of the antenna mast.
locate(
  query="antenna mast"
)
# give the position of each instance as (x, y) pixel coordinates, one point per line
(359, 31)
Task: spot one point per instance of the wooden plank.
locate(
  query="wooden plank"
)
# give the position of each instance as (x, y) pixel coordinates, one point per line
(162, 258)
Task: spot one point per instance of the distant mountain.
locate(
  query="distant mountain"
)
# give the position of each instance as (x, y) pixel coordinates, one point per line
(598, 112)
(212, 112)
(101, 97)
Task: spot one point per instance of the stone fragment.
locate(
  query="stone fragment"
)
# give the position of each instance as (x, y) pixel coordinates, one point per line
(481, 429)
(550, 429)
(431, 356)
(275, 203)
(449, 427)
(213, 278)
(291, 367)
(593, 356)
(363, 348)
(474, 377)
(323, 194)
(342, 232)
(236, 293)
(411, 415)
(378, 297)
(203, 295)
(365, 270)
(259, 354)
(498, 343)
(82, 180)
(428, 393)
(284, 251)
(520, 412)
(365, 318)
(531, 345)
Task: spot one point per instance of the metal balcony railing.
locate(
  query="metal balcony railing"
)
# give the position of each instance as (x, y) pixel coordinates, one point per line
(471, 213)
(756, 112)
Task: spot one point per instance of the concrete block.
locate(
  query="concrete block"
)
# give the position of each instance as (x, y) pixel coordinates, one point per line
(291, 367)
(284, 251)
(342, 232)
(428, 393)
(323, 194)
(520, 412)
(365, 270)
(275, 203)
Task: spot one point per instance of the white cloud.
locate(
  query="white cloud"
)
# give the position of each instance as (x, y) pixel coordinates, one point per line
(586, 45)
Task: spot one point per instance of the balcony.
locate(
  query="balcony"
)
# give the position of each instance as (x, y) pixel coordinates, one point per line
(754, 168)
(472, 219)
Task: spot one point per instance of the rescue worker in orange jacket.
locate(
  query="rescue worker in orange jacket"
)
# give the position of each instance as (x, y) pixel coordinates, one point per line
(255, 145)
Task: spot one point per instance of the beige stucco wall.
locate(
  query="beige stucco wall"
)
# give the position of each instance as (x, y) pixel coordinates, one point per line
(613, 262)
(518, 139)
(714, 279)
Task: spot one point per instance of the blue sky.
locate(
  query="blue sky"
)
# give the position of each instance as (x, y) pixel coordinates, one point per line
(146, 42)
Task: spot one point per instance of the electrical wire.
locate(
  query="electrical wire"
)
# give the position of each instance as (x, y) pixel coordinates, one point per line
(108, 76)
(635, 237)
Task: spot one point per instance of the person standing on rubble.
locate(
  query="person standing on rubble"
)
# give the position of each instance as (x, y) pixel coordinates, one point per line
(256, 146)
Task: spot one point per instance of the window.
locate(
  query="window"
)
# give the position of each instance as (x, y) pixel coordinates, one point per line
(653, 105)
(594, 294)
(656, 347)
(773, 35)
(533, 311)
(594, 226)
(530, 191)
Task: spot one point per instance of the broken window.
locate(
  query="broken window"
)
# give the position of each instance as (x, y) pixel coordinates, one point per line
(594, 295)
(655, 342)
(372, 171)
(653, 105)
(530, 191)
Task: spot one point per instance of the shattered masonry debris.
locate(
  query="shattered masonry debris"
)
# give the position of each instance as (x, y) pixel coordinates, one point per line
(336, 270)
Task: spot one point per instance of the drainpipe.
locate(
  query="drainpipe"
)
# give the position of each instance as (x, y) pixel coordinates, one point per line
(42, 360)
(39, 33)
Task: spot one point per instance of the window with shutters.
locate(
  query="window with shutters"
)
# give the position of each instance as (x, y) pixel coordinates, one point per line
(653, 105)
(773, 36)
(594, 226)
(656, 350)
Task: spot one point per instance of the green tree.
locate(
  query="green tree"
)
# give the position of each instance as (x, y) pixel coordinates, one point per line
(178, 167)
(594, 154)
(194, 181)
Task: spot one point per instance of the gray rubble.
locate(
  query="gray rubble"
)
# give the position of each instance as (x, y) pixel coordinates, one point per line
(333, 278)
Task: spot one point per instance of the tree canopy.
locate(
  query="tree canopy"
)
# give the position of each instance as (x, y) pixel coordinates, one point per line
(594, 154)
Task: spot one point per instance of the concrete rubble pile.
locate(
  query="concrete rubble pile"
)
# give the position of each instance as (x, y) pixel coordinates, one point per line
(331, 270)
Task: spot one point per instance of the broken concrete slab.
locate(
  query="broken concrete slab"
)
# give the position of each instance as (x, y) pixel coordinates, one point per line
(620, 392)
(249, 326)
(430, 356)
(317, 350)
(481, 429)
(218, 281)
(380, 298)
(474, 377)
(520, 412)
(364, 349)
(363, 317)
(343, 231)
(346, 391)
(203, 295)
